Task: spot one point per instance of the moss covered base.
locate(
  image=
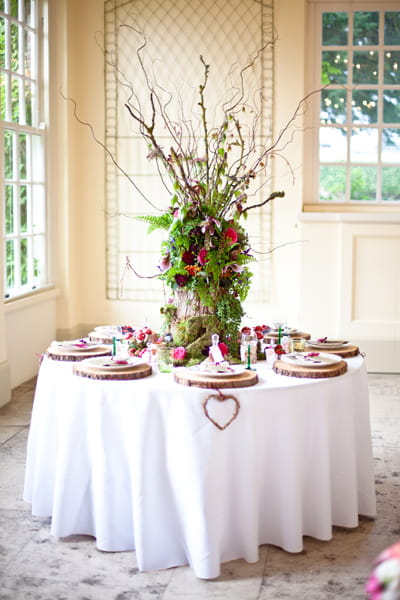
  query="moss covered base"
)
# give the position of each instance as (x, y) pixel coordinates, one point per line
(194, 334)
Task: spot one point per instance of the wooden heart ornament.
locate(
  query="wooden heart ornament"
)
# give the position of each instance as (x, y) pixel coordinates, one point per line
(222, 398)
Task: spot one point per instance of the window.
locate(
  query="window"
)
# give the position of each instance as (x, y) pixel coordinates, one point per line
(22, 145)
(357, 138)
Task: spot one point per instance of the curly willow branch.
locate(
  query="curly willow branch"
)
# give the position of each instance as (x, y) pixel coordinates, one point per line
(107, 150)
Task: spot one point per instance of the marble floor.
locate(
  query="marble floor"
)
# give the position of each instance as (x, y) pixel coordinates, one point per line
(35, 566)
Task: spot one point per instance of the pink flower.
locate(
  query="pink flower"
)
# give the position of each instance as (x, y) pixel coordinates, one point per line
(374, 587)
(179, 353)
(202, 257)
(165, 262)
(231, 234)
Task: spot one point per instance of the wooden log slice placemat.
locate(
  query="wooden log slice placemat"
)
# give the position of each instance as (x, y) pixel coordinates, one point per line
(245, 379)
(345, 352)
(283, 368)
(59, 353)
(107, 373)
(294, 335)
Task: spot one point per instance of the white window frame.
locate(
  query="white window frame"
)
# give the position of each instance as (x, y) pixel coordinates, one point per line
(312, 201)
(31, 230)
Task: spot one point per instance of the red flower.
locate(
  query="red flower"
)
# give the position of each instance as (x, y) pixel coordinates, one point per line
(140, 336)
(231, 234)
(224, 348)
(181, 280)
(246, 330)
(188, 257)
(202, 257)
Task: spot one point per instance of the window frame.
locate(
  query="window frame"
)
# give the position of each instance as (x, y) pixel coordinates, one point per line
(312, 202)
(35, 229)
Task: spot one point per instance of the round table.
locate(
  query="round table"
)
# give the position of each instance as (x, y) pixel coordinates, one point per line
(138, 464)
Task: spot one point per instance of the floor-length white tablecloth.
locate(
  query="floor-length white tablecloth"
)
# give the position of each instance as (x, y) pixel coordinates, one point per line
(137, 464)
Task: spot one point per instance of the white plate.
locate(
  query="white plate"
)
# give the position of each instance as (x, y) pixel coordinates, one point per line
(76, 345)
(304, 360)
(108, 329)
(237, 370)
(329, 344)
(106, 363)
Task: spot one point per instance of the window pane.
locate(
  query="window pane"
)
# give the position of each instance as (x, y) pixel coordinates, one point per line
(363, 183)
(9, 216)
(391, 65)
(390, 184)
(29, 91)
(14, 8)
(364, 145)
(332, 184)
(39, 259)
(334, 67)
(391, 106)
(366, 29)
(8, 154)
(23, 209)
(28, 11)
(365, 69)
(10, 262)
(2, 44)
(391, 147)
(23, 252)
(335, 27)
(3, 96)
(365, 106)
(22, 156)
(28, 37)
(15, 99)
(392, 28)
(332, 145)
(14, 29)
(38, 209)
(333, 106)
(38, 165)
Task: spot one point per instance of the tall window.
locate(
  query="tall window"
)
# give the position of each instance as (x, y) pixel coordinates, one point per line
(357, 140)
(22, 146)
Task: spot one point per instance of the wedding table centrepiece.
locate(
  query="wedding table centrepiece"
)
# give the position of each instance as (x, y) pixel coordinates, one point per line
(211, 171)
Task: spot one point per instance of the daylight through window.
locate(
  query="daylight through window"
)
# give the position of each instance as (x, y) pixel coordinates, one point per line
(359, 112)
(22, 148)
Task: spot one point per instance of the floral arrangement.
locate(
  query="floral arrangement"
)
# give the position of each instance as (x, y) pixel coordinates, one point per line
(212, 171)
(384, 581)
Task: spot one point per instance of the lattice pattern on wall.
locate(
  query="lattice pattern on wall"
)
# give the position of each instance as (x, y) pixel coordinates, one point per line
(227, 33)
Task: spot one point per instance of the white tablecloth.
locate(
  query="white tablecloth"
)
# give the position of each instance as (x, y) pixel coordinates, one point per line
(137, 464)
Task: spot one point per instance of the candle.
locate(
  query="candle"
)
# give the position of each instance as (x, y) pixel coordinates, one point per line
(114, 346)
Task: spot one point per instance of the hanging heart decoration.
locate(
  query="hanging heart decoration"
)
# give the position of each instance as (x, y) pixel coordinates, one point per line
(220, 397)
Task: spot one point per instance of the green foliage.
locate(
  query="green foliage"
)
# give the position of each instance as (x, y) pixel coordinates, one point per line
(157, 221)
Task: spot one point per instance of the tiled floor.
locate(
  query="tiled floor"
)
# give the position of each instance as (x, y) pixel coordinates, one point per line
(33, 565)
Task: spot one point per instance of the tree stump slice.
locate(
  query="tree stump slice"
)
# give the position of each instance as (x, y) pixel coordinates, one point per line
(345, 352)
(283, 368)
(245, 379)
(58, 353)
(133, 372)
